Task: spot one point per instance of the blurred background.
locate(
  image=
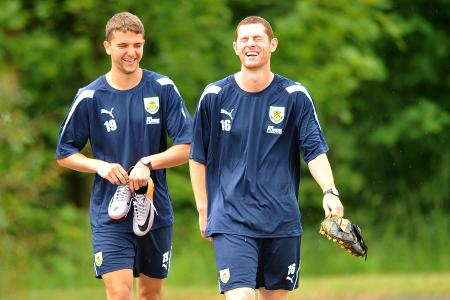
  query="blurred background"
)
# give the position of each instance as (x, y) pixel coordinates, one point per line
(378, 71)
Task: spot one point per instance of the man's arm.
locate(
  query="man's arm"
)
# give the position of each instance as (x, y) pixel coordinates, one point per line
(198, 180)
(321, 171)
(173, 156)
(112, 172)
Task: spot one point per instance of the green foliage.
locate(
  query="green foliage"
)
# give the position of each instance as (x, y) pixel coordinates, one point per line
(183, 40)
(377, 70)
(321, 47)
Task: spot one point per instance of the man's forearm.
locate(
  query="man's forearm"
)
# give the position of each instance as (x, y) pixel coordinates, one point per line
(198, 180)
(81, 163)
(321, 171)
(173, 156)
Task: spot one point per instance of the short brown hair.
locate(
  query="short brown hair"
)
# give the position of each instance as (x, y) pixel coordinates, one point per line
(256, 20)
(123, 21)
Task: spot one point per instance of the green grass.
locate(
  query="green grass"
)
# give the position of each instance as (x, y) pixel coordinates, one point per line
(65, 270)
(370, 287)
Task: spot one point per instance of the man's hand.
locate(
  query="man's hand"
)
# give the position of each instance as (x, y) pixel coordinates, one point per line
(202, 221)
(332, 206)
(139, 176)
(112, 172)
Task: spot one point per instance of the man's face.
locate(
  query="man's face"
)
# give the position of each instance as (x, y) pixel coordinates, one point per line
(125, 49)
(253, 46)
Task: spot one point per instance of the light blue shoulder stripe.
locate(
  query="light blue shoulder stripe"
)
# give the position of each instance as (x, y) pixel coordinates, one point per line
(165, 81)
(300, 88)
(83, 94)
(210, 89)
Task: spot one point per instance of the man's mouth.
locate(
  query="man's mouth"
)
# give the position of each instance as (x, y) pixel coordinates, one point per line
(251, 53)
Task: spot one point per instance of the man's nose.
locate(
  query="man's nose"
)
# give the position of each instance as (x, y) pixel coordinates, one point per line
(250, 42)
(130, 50)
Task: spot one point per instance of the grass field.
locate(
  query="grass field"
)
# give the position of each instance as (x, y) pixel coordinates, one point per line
(434, 286)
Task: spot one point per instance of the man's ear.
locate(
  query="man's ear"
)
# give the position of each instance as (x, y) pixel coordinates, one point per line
(107, 46)
(273, 45)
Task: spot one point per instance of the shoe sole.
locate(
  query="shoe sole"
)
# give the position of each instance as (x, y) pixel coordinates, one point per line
(340, 243)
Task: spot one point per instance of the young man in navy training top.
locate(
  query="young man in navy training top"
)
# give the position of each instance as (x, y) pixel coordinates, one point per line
(126, 115)
(249, 130)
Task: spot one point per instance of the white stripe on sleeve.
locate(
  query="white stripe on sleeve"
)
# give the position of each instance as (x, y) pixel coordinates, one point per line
(210, 89)
(299, 88)
(165, 81)
(84, 94)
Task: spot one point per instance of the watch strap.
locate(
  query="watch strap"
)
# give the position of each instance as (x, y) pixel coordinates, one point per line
(147, 163)
(331, 191)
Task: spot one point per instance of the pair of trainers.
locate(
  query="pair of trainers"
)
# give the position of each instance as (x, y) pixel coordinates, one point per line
(144, 210)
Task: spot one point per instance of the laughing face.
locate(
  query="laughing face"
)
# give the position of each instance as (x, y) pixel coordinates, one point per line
(125, 49)
(253, 46)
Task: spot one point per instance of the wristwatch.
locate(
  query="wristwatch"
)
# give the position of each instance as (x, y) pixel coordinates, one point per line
(147, 162)
(332, 191)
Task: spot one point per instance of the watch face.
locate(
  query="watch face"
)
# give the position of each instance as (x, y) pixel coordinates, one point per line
(145, 160)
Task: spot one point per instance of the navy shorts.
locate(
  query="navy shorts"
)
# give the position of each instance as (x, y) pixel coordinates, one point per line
(272, 263)
(149, 254)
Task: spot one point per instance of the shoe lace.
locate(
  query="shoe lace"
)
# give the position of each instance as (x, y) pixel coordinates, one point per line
(140, 209)
(122, 193)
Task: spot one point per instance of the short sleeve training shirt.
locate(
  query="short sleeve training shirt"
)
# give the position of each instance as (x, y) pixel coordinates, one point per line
(251, 144)
(122, 126)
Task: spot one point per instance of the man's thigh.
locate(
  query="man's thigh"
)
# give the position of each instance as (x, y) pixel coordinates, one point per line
(236, 261)
(272, 263)
(113, 251)
(279, 263)
(119, 284)
(154, 252)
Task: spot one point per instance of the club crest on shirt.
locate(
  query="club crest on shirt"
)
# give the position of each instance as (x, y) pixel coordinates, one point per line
(151, 105)
(276, 114)
(224, 275)
(98, 258)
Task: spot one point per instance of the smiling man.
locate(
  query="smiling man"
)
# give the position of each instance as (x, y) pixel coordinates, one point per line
(126, 115)
(249, 131)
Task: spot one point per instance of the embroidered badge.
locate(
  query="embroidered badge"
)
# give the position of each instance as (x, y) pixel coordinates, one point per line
(224, 275)
(276, 114)
(98, 258)
(151, 105)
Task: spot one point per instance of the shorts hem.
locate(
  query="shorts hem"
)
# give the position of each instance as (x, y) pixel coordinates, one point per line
(240, 285)
(151, 275)
(278, 288)
(99, 276)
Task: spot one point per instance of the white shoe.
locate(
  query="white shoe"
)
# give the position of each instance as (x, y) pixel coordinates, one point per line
(144, 211)
(120, 203)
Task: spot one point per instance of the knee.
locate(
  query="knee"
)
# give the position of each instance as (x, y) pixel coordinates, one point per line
(150, 293)
(119, 292)
(240, 294)
(273, 294)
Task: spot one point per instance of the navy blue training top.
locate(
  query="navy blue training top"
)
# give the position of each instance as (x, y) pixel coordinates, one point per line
(250, 144)
(122, 126)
